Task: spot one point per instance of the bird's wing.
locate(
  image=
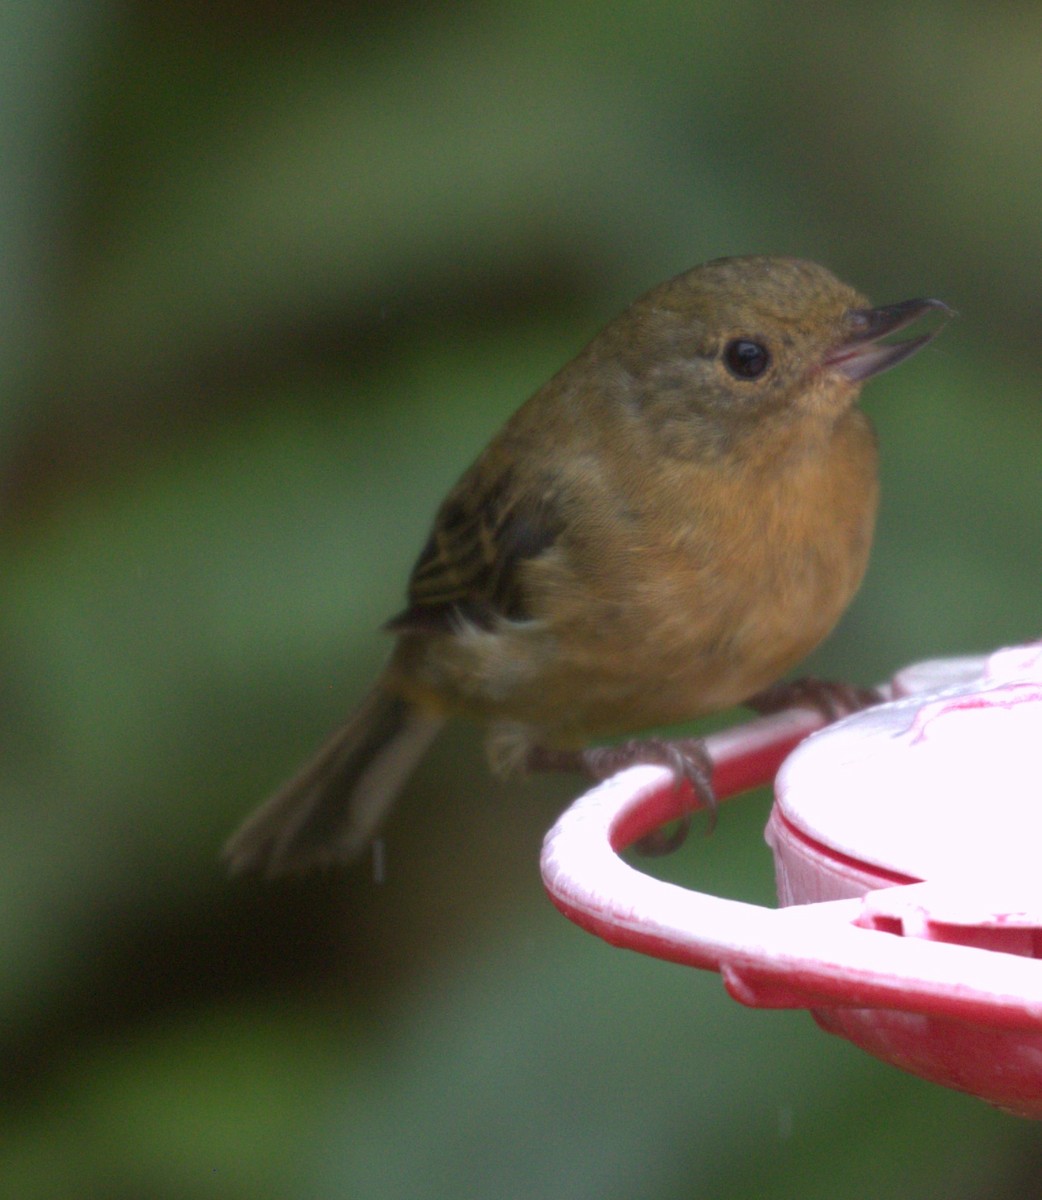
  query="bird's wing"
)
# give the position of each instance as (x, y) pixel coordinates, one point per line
(469, 570)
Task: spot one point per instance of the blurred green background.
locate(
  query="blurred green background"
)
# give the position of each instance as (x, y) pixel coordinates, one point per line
(272, 273)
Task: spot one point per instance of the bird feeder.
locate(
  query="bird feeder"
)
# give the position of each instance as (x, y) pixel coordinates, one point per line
(906, 843)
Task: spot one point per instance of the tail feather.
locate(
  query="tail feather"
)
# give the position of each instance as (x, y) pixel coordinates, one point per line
(330, 811)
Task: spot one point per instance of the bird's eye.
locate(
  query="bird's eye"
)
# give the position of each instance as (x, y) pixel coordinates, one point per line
(746, 359)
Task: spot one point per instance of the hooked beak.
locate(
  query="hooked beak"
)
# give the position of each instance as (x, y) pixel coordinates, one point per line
(862, 354)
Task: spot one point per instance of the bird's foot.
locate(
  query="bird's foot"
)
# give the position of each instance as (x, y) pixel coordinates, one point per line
(829, 697)
(687, 758)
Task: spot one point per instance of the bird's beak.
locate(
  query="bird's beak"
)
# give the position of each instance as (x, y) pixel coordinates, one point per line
(863, 354)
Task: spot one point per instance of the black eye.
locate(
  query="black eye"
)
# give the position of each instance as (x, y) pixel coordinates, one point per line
(746, 359)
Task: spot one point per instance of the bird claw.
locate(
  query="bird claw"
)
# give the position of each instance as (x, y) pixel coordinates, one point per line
(690, 763)
(831, 698)
(688, 759)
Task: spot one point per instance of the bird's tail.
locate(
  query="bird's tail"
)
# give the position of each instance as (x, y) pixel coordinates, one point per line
(330, 810)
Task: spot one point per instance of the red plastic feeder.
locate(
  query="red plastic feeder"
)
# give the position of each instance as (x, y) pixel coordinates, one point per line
(906, 842)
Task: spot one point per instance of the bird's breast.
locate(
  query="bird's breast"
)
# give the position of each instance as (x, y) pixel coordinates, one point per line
(710, 589)
(674, 596)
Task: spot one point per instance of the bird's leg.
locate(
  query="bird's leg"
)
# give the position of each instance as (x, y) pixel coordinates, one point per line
(687, 758)
(830, 698)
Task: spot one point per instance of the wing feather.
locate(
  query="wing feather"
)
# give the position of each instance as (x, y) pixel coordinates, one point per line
(470, 568)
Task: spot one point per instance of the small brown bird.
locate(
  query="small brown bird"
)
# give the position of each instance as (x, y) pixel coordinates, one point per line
(665, 528)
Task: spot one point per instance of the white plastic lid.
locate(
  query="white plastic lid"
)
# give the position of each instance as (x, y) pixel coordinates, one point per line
(949, 790)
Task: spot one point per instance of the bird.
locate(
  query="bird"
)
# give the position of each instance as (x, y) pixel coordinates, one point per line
(662, 531)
